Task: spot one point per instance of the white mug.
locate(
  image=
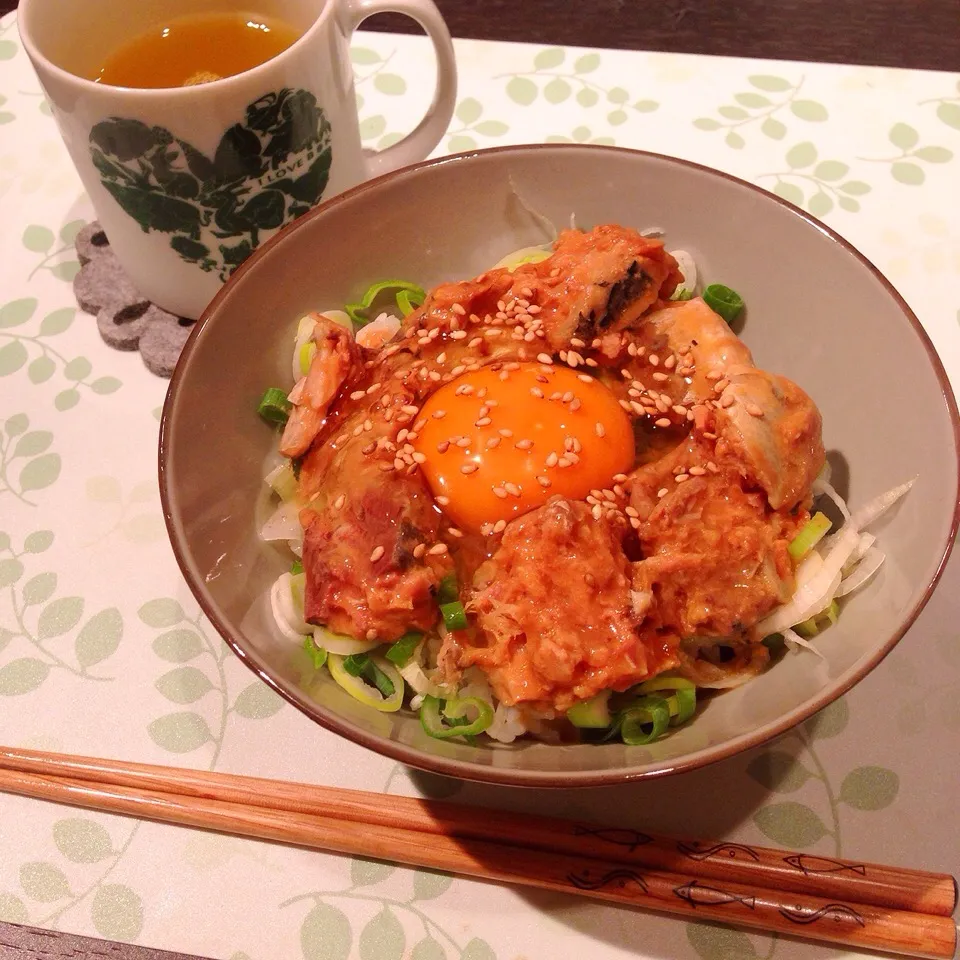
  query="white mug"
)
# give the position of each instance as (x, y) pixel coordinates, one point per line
(186, 181)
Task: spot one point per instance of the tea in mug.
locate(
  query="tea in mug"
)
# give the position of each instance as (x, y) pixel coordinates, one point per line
(196, 48)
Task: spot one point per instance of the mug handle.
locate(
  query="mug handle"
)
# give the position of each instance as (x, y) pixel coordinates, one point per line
(418, 144)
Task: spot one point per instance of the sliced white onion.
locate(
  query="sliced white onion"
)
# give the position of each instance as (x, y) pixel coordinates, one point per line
(282, 481)
(283, 523)
(339, 644)
(378, 332)
(507, 724)
(305, 329)
(688, 268)
(795, 643)
(296, 394)
(864, 570)
(822, 487)
(524, 255)
(877, 507)
(815, 593)
(284, 608)
(651, 232)
(866, 541)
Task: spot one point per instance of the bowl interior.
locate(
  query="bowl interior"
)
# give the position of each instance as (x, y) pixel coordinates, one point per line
(816, 312)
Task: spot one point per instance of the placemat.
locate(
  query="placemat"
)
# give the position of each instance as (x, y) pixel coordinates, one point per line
(103, 649)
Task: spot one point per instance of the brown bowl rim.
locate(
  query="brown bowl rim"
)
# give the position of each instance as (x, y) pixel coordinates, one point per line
(466, 770)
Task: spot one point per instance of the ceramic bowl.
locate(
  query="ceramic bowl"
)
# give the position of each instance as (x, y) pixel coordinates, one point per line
(817, 312)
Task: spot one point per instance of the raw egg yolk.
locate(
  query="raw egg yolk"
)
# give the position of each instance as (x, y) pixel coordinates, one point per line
(497, 443)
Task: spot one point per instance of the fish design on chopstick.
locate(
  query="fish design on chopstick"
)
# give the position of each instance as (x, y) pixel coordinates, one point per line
(619, 836)
(820, 865)
(732, 850)
(620, 878)
(699, 894)
(831, 911)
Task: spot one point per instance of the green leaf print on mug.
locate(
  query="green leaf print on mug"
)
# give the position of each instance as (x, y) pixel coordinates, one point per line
(265, 171)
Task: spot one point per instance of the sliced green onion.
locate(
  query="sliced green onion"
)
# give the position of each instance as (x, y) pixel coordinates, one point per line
(409, 300)
(317, 655)
(413, 293)
(355, 664)
(454, 616)
(682, 703)
(383, 692)
(449, 590)
(401, 651)
(682, 294)
(274, 406)
(434, 711)
(810, 534)
(282, 481)
(644, 721)
(296, 568)
(592, 714)
(307, 352)
(723, 301)
(819, 621)
(364, 666)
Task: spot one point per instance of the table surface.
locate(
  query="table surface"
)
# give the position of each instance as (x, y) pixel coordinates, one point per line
(904, 212)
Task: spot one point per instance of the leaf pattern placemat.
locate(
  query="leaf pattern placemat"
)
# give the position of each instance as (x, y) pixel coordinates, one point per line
(104, 651)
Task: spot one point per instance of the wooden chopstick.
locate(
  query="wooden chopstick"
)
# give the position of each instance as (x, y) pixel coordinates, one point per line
(688, 893)
(884, 886)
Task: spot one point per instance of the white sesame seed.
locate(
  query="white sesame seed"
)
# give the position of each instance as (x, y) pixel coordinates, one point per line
(475, 342)
(483, 422)
(437, 550)
(411, 409)
(637, 408)
(358, 395)
(661, 376)
(754, 410)
(635, 523)
(653, 359)
(378, 552)
(662, 422)
(545, 358)
(721, 385)
(512, 489)
(523, 444)
(439, 414)
(507, 434)
(563, 462)
(626, 405)
(536, 392)
(500, 526)
(500, 492)
(552, 459)
(727, 400)
(575, 406)
(714, 374)
(458, 309)
(417, 427)
(418, 457)
(596, 512)
(584, 378)
(386, 467)
(681, 477)
(469, 468)
(696, 471)
(543, 481)
(339, 502)
(463, 442)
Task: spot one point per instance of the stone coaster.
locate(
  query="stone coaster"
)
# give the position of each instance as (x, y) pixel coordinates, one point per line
(125, 318)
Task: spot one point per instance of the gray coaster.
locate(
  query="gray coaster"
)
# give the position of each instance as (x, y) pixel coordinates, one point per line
(125, 318)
